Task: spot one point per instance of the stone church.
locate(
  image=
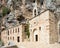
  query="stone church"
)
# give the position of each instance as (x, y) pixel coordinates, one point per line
(44, 31)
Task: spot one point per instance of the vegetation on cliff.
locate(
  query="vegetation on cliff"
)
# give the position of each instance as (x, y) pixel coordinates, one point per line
(5, 11)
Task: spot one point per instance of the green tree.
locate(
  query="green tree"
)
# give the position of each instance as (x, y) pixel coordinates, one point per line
(5, 11)
(27, 30)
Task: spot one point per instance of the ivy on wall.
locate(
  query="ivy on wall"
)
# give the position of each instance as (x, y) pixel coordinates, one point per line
(27, 30)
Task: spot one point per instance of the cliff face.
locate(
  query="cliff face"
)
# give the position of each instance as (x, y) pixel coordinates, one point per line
(25, 8)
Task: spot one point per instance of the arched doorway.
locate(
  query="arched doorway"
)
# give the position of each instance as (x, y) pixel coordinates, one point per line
(36, 35)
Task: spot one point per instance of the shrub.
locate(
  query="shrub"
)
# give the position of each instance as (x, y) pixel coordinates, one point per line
(27, 30)
(5, 11)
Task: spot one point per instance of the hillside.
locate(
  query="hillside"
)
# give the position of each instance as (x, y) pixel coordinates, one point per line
(14, 12)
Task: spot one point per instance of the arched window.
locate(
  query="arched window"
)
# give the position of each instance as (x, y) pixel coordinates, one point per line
(13, 38)
(39, 28)
(18, 39)
(18, 30)
(13, 31)
(35, 12)
(8, 38)
(8, 32)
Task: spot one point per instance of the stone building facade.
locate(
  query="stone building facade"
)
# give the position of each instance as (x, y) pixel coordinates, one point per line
(43, 28)
(14, 34)
(44, 32)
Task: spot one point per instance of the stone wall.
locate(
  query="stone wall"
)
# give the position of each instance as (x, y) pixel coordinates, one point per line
(53, 28)
(41, 24)
(58, 27)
